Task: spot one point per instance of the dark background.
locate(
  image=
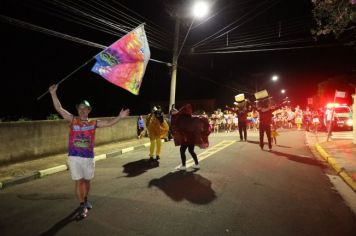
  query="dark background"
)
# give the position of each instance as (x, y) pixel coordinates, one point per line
(31, 61)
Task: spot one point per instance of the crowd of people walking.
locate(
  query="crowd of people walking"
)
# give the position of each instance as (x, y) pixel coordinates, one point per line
(286, 117)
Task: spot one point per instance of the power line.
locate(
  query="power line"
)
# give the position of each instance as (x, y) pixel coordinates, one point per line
(264, 50)
(257, 45)
(209, 38)
(80, 13)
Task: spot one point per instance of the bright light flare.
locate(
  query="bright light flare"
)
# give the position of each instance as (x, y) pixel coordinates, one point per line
(331, 105)
(349, 122)
(274, 78)
(200, 9)
(283, 91)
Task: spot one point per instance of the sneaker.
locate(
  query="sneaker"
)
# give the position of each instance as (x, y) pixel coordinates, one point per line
(157, 158)
(88, 205)
(181, 168)
(151, 159)
(269, 149)
(197, 167)
(83, 211)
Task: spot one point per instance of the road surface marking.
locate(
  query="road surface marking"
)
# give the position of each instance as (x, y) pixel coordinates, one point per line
(211, 151)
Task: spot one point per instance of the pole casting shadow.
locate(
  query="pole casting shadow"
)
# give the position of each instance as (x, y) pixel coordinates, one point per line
(185, 185)
(300, 159)
(266, 143)
(139, 167)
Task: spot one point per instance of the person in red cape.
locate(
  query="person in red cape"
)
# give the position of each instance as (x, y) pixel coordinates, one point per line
(189, 131)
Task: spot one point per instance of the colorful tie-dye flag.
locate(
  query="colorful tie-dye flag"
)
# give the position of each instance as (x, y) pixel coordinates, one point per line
(124, 62)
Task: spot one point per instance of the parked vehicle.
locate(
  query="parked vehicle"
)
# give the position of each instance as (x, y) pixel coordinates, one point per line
(342, 117)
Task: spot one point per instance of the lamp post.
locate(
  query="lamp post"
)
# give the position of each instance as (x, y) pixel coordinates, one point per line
(172, 96)
(200, 9)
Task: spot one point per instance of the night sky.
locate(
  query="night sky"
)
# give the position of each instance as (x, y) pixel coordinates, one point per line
(31, 61)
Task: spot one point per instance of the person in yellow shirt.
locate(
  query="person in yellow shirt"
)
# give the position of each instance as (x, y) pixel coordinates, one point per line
(157, 128)
(274, 133)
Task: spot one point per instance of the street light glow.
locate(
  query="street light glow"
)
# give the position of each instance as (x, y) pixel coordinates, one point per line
(283, 91)
(200, 9)
(275, 78)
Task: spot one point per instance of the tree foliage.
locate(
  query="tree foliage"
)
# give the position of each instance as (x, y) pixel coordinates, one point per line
(334, 17)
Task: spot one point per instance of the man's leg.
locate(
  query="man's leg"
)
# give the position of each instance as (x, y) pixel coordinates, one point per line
(182, 150)
(194, 155)
(244, 128)
(240, 130)
(268, 133)
(83, 187)
(152, 147)
(262, 130)
(158, 149)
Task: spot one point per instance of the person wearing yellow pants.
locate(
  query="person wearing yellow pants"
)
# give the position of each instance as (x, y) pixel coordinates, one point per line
(157, 128)
(298, 117)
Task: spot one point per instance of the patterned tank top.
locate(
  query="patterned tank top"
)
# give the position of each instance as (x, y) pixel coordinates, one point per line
(81, 138)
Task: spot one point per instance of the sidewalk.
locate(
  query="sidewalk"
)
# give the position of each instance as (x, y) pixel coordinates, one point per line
(21, 172)
(340, 154)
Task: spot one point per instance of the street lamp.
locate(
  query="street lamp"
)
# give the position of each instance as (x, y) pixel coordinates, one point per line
(283, 91)
(200, 9)
(274, 78)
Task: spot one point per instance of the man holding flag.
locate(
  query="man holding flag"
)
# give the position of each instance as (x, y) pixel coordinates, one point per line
(81, 146)
(123, 64)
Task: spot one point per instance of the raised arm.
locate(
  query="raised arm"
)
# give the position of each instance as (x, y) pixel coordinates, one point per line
(107, 123)
(57, 105)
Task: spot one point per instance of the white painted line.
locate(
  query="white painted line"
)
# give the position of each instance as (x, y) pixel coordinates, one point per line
(125, 150)
(147, 144)
(202, 156)
(100, 157)
(52, 170)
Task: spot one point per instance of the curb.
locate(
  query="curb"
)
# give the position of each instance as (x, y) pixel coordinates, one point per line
(340, 170)
(56, 169)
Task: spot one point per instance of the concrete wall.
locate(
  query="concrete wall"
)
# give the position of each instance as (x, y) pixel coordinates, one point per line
(28, 140)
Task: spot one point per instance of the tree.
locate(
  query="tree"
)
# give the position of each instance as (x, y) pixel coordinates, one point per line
(335, 16)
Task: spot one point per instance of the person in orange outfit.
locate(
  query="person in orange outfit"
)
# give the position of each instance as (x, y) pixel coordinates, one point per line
(157, 128)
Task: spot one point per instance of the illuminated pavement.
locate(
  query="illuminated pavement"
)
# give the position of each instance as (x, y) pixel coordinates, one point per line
(240, 190)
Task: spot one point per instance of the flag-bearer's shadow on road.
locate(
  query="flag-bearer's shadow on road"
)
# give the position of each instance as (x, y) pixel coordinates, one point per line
(62, 223)
(139, 167)
(185, 185)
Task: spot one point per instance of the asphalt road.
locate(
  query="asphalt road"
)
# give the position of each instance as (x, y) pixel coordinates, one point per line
(240, 190)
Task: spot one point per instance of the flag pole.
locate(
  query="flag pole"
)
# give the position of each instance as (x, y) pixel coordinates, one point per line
(65, 78)
(62, 80)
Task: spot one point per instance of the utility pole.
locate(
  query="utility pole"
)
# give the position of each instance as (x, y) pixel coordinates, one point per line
(172, 97)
